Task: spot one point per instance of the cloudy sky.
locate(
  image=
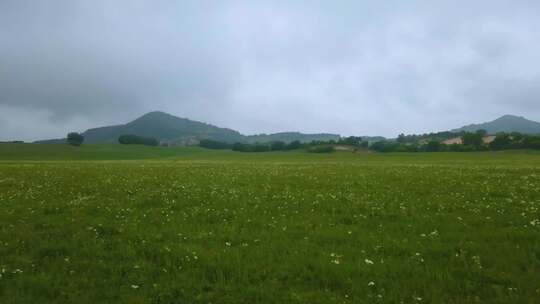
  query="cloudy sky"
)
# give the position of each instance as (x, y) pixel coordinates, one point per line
(347, 67)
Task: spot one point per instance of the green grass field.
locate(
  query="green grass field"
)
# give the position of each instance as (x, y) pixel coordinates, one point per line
(117, 224)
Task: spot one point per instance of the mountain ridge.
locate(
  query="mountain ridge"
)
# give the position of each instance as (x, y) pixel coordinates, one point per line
(506, 123)
(173, 130)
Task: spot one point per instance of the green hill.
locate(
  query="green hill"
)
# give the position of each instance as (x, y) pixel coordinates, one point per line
(182, 131)
(164, 127)
(506, 123)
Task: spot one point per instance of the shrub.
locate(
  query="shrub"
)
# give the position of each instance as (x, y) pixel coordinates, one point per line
(472, 139)
(75, 139)
(501, 141)
(293, 145)
(386, 146)
(433, 146)
(277, 146)
(531, 142)
(261, 148)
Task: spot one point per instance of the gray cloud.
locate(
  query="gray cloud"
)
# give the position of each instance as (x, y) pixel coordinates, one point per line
(264, 66)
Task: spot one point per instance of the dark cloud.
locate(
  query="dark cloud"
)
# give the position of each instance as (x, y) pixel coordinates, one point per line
(264, 66)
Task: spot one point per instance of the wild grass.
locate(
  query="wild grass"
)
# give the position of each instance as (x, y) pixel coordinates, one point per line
(220, 227)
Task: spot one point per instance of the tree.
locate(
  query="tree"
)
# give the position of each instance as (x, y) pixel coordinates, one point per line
(472, 139)
(351, 140)
(261, 147)
(481, 132)
(433, 146)
(277, 146)
(294, 145)
(240, 147)
(386, 146)
(401, 138)
(501, 141)
(75, 139)
(516, 136)
(531, 142)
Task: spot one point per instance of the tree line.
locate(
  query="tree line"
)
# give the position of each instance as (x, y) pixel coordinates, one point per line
(470, 141)
(76, 139)
(313, 146)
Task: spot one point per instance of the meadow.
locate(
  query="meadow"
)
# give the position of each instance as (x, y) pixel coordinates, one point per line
(117, 224)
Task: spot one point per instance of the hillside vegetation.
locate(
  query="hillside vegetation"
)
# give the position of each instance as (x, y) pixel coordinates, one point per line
(172, 130)
(164, 127)
(506, 123)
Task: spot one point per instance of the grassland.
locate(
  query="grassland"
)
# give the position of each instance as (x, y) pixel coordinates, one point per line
(105, 224)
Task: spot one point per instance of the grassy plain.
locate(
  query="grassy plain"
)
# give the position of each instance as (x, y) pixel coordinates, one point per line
(105, 224)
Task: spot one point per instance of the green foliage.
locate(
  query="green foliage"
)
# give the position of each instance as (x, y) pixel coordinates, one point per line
(294, 145)
(351, 140)
(531, 142)
(277, 146)
(245, 147)
(502, 141)
(388, 146)
(241, 147)
(75, 139)
(321, 149)
(472, 139)
(472, 142)
(288, 137)
(433, 146)
(481, 132)
(137, 140)
(416, 138)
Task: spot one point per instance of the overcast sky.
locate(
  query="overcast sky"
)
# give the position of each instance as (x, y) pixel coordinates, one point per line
(346, 67)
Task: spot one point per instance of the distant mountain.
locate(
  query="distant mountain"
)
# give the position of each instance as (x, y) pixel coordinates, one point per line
(182, 131)
(164, 127)
(506, 123)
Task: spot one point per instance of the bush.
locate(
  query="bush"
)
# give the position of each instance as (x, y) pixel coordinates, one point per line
(433, 146)
(75, 139)
(277, 146)
(531, 142)
(351, 141)
(241, 147)
(293, 145)
(321, 149)
(501, 141)
(137, 140)
(260, 148)
(387, 146)
(472, 139)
